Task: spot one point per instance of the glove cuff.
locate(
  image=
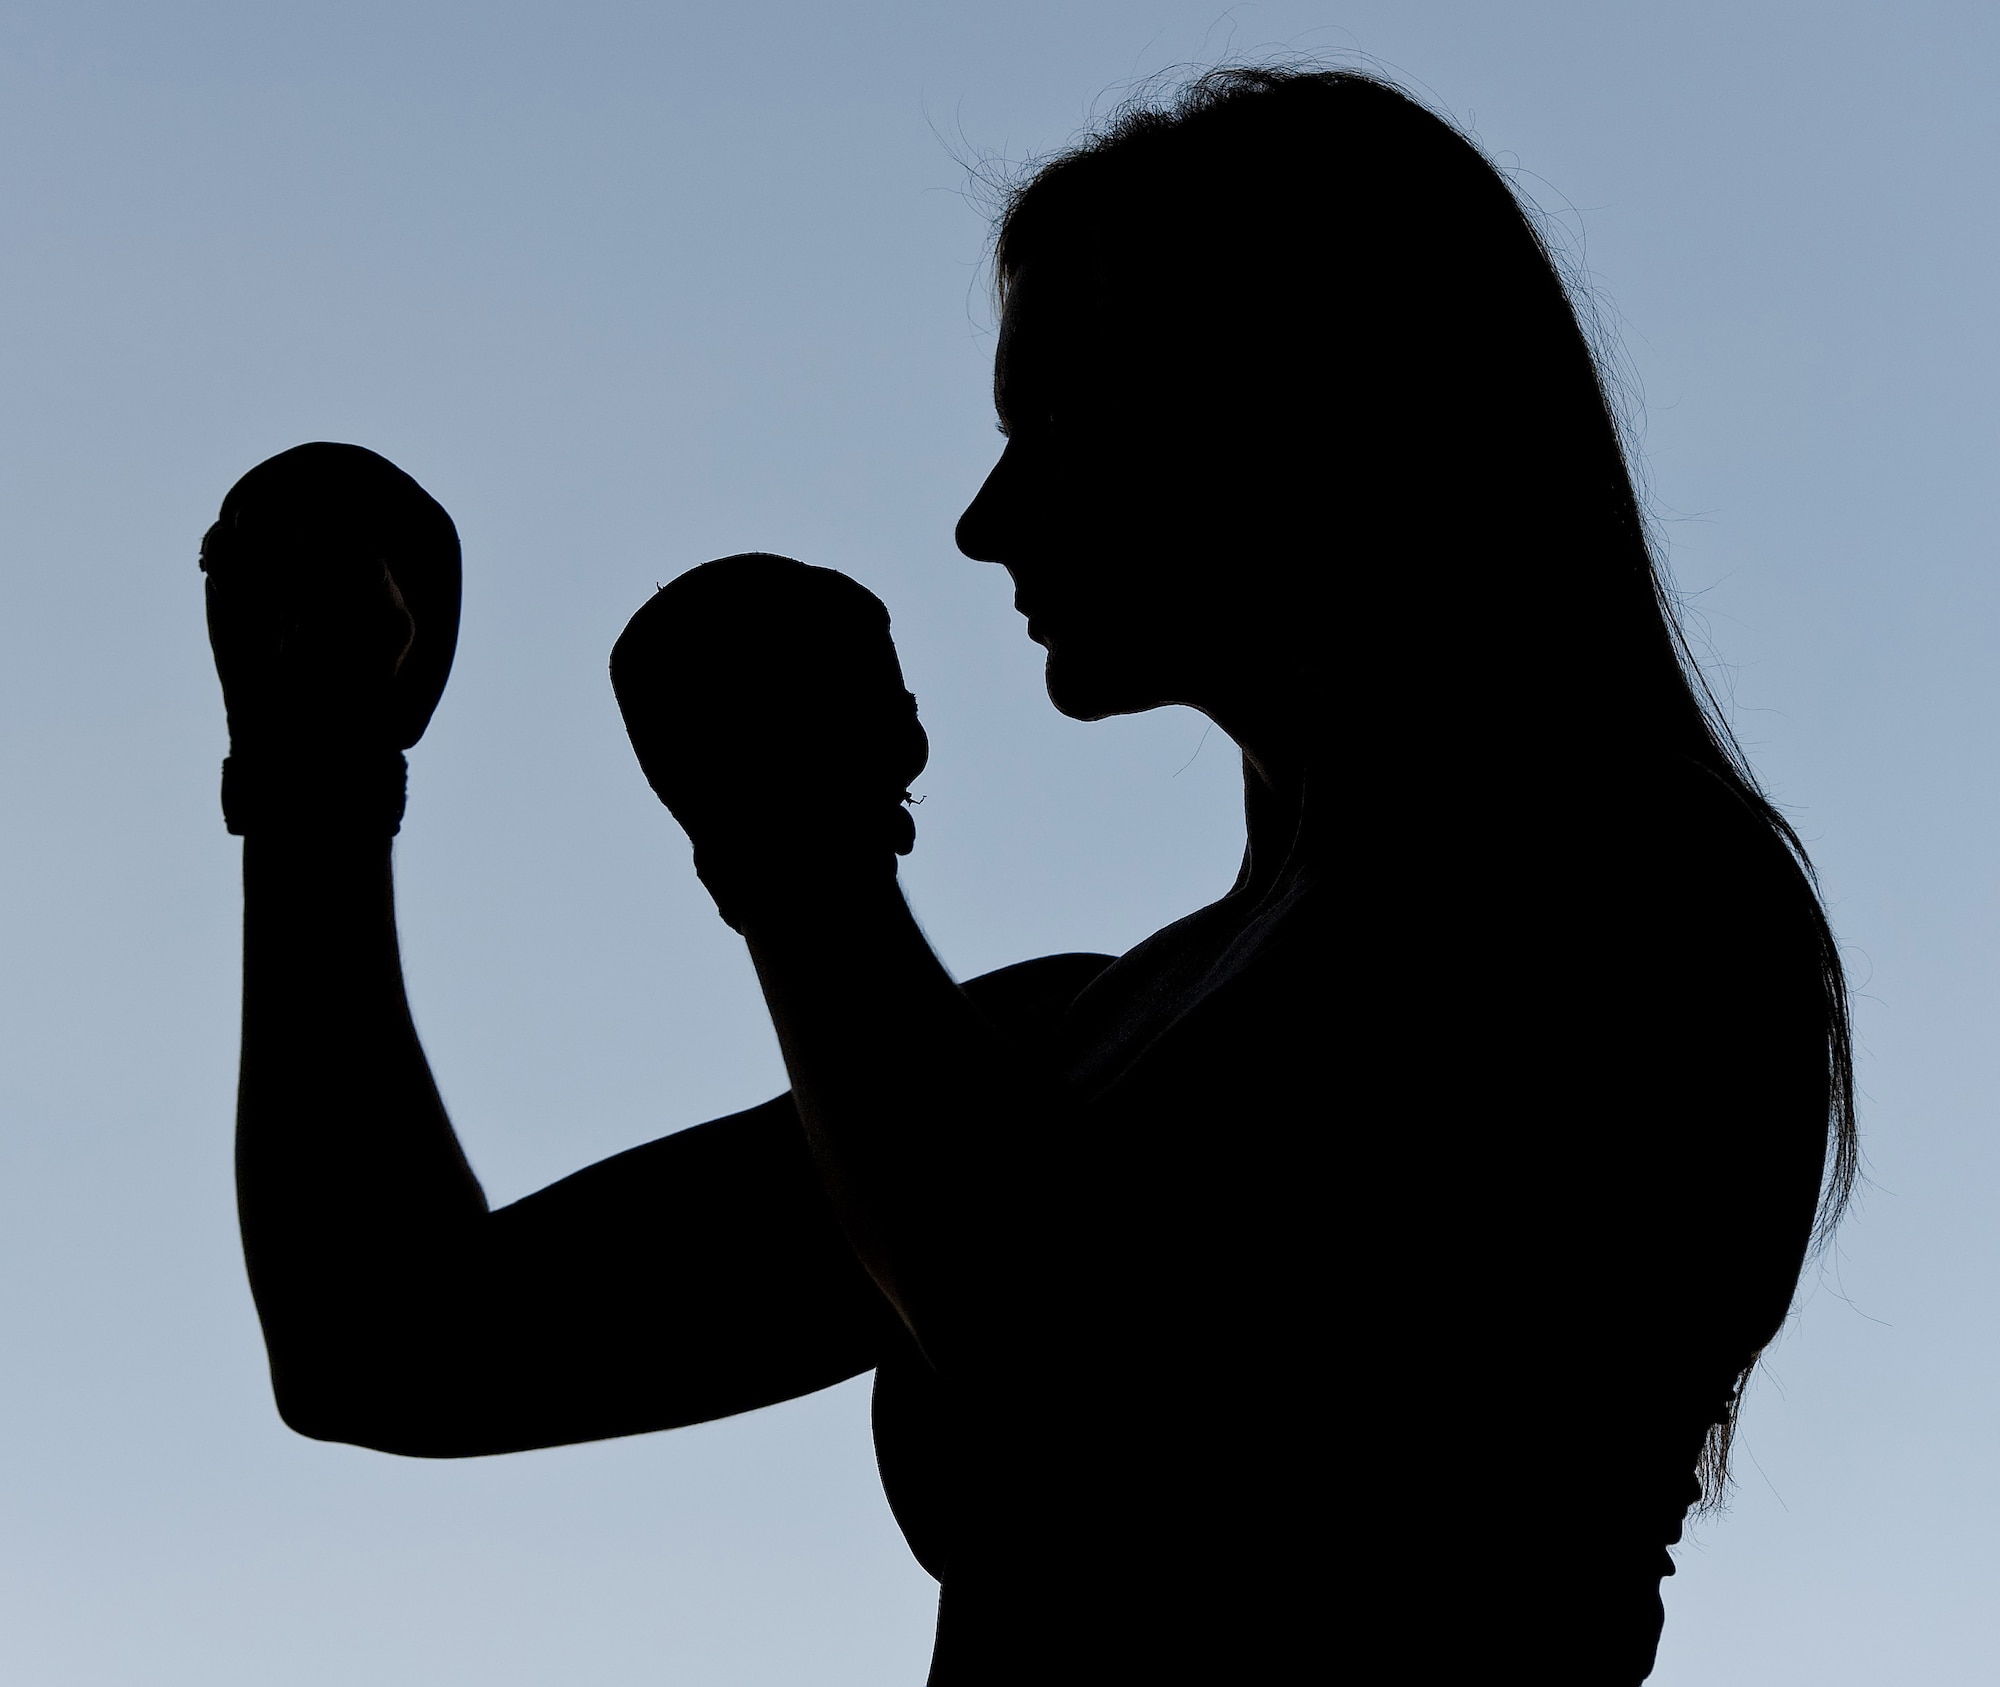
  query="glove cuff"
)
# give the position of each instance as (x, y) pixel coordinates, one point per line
(356, 795)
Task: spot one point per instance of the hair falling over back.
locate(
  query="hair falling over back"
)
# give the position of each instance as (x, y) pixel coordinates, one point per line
(1319, 243)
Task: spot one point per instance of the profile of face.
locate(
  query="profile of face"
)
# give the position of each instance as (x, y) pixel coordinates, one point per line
(1108, 508)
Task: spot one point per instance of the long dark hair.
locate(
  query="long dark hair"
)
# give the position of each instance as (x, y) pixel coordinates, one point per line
(1332, 249)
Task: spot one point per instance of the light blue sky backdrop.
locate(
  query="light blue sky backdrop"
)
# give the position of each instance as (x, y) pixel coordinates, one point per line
(628, 286)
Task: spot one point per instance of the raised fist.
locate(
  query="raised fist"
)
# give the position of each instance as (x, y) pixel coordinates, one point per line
(768, 710)
(333, 594)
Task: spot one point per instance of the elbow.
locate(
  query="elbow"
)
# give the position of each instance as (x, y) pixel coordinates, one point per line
(308, 1412)
(383, 1419)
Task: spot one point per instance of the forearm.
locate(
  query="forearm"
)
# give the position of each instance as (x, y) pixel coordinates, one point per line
(914, 1102)
(351, 1185)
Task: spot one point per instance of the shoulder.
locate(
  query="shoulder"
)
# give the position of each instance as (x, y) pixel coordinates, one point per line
(1034, 994)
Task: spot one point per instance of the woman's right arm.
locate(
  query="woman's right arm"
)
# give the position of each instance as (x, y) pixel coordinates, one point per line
(698, 1276)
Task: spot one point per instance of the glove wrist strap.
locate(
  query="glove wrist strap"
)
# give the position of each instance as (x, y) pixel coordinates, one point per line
(360, 794)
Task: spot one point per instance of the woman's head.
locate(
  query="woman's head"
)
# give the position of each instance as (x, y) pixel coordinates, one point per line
(1293, 392)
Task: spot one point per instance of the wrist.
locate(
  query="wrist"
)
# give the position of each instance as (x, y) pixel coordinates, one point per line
(797, 876)
(314, 793)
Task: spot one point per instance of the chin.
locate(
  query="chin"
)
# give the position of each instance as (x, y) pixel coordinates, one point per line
(1085, 689)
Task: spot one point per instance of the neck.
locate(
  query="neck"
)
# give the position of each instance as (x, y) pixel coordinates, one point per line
(1279, 724)
(1275, 781)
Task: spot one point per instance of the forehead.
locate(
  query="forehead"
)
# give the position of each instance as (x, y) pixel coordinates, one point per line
(1060, 329)
(1059, 292)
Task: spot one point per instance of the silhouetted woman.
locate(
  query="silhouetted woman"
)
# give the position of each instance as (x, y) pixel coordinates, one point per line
(1356, 1279)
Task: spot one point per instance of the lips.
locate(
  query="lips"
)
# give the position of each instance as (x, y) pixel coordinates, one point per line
(1037, 627)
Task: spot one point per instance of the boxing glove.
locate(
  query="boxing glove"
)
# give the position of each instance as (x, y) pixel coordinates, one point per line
(332, 583)
(767, 708)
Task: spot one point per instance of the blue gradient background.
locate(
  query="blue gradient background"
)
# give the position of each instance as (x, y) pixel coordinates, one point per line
(628, 286)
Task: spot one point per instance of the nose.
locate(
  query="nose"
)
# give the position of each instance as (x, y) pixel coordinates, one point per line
(981, 533)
